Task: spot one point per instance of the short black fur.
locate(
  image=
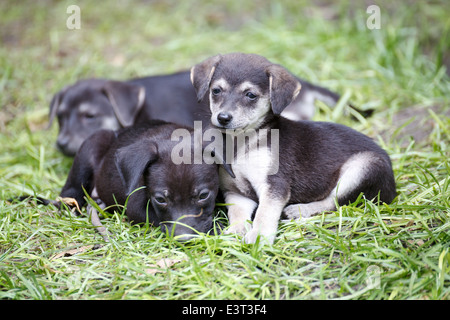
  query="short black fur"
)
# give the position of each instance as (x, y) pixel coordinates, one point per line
(117, 165)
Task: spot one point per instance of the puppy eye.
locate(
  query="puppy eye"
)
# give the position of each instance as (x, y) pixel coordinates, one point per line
(89, 115)
(251, 95)
(216, 91)
(203, 195)
(160, 200)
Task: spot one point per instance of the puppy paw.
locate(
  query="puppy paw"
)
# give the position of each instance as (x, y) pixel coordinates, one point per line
(301, 210)
(238, 228)
(252, 236)
(291, 212)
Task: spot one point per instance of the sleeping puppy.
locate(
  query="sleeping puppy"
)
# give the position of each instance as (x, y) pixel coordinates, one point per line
(93, 104)
(297, 169)
(113, 166)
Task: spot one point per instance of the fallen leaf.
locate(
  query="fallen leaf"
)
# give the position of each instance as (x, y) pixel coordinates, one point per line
(410, 223)
(71, 252)
(418, 243)
(161, 265)
(70, 202)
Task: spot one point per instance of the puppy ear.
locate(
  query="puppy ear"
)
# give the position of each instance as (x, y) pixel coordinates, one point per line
(202, 73)
(217, 157)
(54, 105)
(126, 99)
(132, 160)
(228, 169)
(284, 88)
(220, 159)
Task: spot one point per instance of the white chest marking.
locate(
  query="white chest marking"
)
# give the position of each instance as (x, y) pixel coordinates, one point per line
(253, 167)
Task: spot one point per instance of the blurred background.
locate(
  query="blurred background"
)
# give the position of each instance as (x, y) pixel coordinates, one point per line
(392, 56)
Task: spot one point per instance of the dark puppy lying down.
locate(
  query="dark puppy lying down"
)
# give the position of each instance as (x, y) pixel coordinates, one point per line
(110, 166)
(93, 104)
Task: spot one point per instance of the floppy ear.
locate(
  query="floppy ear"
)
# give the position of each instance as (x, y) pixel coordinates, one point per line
(284, 88)
(54, 105)
(132, 160)
(126, 99)
(227, 168)
(202, 73)
(217, 157)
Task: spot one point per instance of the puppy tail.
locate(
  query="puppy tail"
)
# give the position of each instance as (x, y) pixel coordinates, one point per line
(304, 103)
(70, 202)
(38, 200)
(365, 113)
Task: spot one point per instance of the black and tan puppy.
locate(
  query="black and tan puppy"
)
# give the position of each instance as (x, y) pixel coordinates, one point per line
(112, 167)
(296, 168)
(93, 104)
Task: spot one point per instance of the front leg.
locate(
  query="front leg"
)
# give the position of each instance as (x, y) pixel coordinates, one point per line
(93, 215)
(266, 219)
(239, 212)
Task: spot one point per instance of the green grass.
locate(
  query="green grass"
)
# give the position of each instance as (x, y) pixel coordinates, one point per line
(361, 251)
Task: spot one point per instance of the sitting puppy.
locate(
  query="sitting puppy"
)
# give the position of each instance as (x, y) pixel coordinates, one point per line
(93, 104)
(305, 169)
(112, 167)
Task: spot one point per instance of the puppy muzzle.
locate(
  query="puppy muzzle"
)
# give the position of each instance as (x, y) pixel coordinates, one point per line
(187, 226)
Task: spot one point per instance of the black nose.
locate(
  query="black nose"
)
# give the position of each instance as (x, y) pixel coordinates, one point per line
(224, 118)
(62, 145)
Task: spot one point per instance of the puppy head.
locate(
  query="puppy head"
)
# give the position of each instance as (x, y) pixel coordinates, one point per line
(182, 196)
(91, 105)
(243, 89)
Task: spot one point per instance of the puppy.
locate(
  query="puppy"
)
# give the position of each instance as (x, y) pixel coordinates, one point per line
(295, 168)
(94, 104)
(113, 166)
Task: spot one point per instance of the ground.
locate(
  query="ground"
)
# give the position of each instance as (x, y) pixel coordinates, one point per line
(360, 251)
